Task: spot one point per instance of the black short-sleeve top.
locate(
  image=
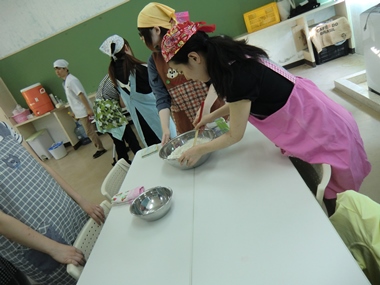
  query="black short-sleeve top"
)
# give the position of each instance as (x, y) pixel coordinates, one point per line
(267, 90)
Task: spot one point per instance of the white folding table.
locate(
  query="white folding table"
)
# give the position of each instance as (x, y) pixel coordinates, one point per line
(243, 217)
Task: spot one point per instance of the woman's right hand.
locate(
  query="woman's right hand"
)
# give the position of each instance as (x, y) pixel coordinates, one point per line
(67, 254)
(206, 111)
(202, 123)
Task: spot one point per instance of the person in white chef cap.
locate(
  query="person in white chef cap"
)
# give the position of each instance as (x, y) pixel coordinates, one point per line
(79, 103)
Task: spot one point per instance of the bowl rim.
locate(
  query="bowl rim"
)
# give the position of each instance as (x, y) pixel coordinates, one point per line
(145, 215)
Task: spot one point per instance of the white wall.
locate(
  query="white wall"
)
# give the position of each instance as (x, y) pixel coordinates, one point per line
(356, 8)
(27, 22)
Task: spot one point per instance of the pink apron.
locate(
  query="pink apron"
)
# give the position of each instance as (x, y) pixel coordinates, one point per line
(314, 128)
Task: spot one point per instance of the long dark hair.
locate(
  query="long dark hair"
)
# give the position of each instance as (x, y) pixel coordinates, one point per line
(220, 52)
(130, 63)
(145, 32)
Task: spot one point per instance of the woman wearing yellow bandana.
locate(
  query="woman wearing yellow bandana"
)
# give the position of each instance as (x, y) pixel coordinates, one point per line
(176, 96)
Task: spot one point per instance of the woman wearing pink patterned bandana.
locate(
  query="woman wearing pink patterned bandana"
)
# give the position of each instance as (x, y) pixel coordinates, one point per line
(290, 111)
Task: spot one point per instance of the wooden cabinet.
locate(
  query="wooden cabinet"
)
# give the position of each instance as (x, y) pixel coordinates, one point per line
(284, 42)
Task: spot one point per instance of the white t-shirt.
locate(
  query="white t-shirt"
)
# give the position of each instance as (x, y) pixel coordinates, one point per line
(73, 88)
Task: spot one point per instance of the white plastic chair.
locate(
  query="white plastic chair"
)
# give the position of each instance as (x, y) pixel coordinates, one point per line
(316, 177)
(112, 183)
(86, 239)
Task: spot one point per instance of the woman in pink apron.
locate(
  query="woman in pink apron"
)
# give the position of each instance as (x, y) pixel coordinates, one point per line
(291, 111)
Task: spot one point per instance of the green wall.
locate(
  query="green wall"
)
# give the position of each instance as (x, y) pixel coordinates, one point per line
(80, 44)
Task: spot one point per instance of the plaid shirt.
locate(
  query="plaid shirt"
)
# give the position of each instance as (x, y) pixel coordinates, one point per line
(29, 194)
(107, 90)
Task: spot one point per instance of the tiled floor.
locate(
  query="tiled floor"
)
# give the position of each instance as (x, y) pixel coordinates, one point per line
(86, 174)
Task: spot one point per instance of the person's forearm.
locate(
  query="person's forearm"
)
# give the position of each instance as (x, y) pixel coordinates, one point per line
(239, 112)
(164, 118)
(18, 232)
(221, 112)
(121, 102)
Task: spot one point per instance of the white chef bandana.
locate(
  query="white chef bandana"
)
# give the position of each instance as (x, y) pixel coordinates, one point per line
(61, 63)
(106, 45)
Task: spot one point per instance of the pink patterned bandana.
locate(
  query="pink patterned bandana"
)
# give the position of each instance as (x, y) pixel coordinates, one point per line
(179, 34)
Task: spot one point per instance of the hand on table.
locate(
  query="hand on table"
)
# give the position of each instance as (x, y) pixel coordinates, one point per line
(67, 254)
(94, 211)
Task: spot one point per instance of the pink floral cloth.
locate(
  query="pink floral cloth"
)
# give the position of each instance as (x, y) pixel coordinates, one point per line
(127, 197)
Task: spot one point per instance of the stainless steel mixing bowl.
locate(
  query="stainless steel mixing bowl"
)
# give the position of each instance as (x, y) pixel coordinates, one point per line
(152, 204)
(180, 140)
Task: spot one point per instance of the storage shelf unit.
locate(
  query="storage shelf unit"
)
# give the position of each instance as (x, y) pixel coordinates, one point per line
(283, 45)
(59, 124)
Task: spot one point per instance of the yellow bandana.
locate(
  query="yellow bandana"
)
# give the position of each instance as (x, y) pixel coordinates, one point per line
(156, 14)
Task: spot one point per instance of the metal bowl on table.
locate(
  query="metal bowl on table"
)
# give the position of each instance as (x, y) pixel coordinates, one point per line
(152, 204)
(179, 141)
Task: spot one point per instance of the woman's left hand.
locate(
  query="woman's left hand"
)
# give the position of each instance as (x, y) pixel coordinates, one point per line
(190, 157)
(165, 136)
(94, 211)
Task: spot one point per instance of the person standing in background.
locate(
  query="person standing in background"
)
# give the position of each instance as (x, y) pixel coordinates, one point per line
(130, 76)
(79, 103)
(110, 118)
(175, 95)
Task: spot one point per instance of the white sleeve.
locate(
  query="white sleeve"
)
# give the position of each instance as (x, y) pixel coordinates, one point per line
(77, 87)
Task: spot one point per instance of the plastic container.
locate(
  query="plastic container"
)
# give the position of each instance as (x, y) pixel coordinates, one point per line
(21, 117)
(331, 52)
(283, 7)
(81, 134)
(219, 126)
(58, 150)
(262, 17)
(40, 143)
(37, 99)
